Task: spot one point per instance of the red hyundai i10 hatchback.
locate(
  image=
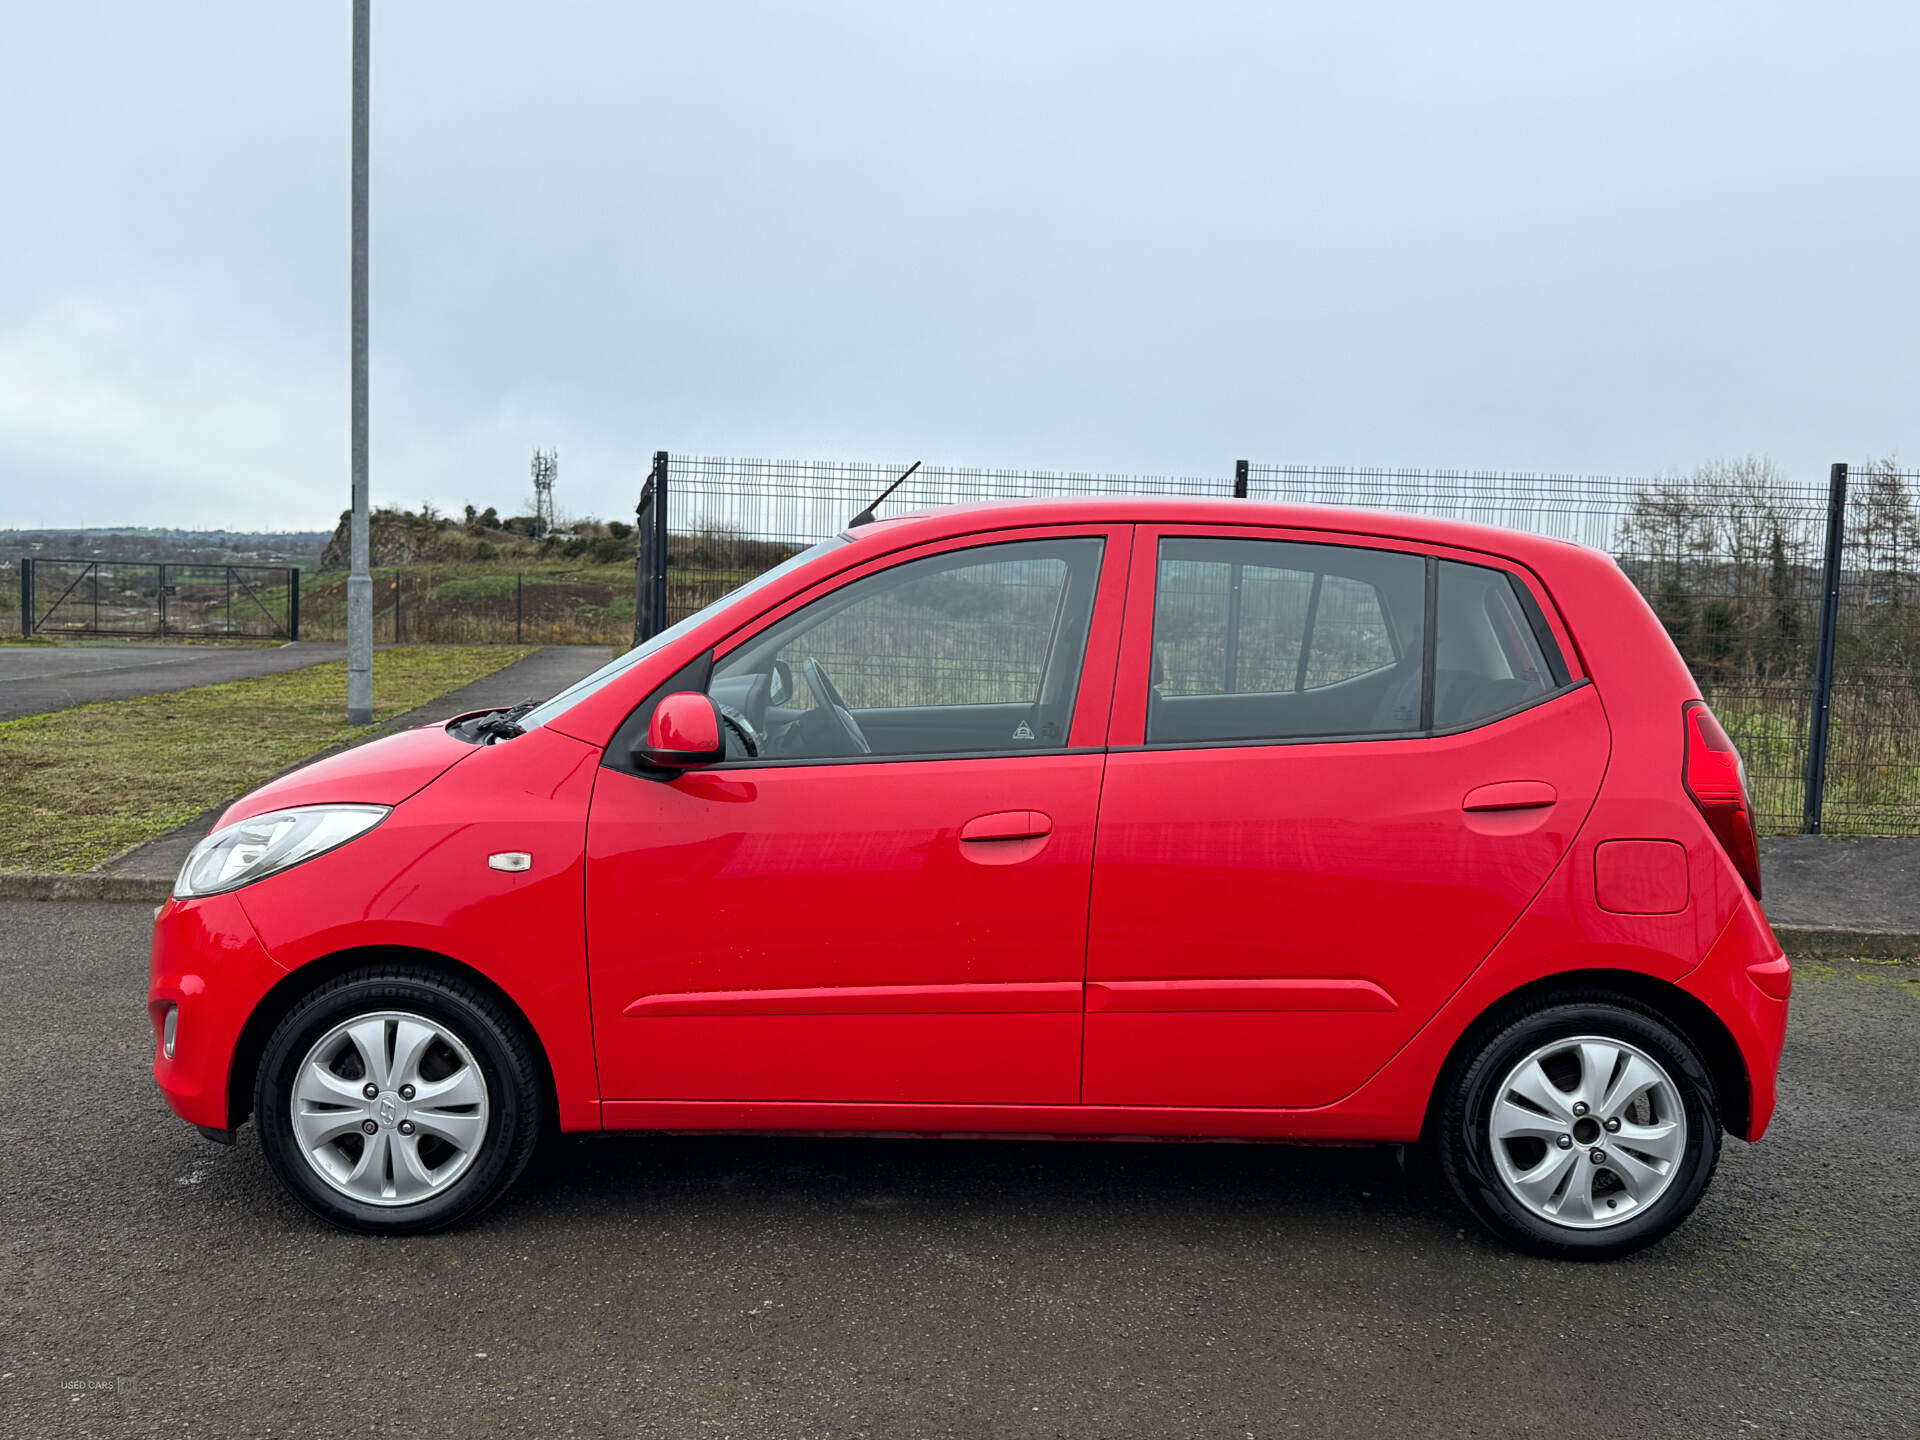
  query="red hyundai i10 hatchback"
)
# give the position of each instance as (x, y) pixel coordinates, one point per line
(1169, 818)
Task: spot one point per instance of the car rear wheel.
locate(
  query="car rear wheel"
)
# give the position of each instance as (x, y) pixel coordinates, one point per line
(397, 1099)
(1585, 1129)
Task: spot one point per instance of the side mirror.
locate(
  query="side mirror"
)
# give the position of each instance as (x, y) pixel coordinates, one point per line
(780, 683)
(683, 734)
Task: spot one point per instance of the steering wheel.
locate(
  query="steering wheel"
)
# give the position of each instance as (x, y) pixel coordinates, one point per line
(825, 689)
(753, 740)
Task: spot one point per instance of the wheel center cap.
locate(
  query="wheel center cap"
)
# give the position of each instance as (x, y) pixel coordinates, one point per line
(1586, 1130)
(388, 1108)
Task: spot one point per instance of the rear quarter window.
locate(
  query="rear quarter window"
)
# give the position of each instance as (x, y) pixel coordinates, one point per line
(1490, 656)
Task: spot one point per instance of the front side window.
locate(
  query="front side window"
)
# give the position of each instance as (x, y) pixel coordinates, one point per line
(1267, 639)
(615, 668)
(972, 651)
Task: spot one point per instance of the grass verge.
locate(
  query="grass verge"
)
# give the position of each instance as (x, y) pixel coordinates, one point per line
(79, 786)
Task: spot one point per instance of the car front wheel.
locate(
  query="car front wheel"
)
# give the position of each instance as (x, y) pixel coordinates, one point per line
(1583, 1130)
(397, 1099)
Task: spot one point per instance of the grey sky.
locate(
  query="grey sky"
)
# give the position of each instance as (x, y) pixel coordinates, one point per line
(1103, 236)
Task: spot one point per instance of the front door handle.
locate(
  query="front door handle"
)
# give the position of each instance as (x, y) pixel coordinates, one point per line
(1511, 795)
(1007, 825)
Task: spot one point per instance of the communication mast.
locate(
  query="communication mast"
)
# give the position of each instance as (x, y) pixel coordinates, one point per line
(546, 469)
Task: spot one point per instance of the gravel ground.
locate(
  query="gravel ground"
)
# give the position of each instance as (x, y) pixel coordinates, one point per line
(157, 1284)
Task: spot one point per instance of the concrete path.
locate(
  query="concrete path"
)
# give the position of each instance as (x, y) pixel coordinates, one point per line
(765, 1288)
(1868, 884)
(547, 671)
(35, 679)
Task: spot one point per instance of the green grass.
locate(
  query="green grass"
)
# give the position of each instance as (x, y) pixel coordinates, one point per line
(79, 786)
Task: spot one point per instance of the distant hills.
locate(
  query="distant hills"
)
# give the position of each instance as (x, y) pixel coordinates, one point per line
(140, 542)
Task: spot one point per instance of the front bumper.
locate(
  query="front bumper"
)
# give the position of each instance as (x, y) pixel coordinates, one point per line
(208, 962)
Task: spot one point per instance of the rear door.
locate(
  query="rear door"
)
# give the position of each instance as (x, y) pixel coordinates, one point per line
(1321, 810)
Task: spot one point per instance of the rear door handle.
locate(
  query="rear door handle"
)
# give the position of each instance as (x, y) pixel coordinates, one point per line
(1008, 825)
(1511, 795)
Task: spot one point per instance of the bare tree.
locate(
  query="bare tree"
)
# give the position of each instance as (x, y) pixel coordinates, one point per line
(1723, 555)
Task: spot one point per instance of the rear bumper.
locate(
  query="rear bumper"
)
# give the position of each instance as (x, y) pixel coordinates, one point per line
(1746, 980)
(208, 962)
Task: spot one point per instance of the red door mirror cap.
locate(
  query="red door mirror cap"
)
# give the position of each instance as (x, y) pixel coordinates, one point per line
(683, 733)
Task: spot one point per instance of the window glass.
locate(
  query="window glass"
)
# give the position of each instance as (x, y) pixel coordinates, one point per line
(615, 668)
(1487, 656)
(1196, 601)
(1257, 639)
(975, 650)
(1350, 634)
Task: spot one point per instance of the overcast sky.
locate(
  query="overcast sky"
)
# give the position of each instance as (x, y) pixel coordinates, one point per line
(1099, 236)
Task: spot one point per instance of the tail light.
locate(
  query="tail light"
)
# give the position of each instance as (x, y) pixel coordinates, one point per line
(1716, 781)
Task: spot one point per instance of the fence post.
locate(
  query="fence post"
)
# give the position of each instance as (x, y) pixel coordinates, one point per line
(293, 602)
(650, 553)
(643, 560)
(660, 541)
(519, 609)
(26, 596)
(1823, 659)
(1239, 479)
(162, 598)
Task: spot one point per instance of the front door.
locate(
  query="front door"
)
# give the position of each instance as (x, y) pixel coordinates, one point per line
(1321, 813)
(882, 895)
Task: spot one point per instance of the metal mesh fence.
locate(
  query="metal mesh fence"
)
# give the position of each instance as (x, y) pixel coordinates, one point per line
(731, 519)
(1731, 564)
(1873, 755)
(150, 599)
(425, 605)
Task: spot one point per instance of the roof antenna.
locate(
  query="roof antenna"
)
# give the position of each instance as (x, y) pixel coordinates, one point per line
(865, 517)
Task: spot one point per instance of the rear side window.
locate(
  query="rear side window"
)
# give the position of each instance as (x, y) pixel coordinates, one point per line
(1266, 639)
(1490, 657)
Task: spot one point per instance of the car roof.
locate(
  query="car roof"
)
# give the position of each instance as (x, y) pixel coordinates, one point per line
(949, 520)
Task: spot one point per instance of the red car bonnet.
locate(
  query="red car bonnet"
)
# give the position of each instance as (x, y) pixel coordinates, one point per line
(380, 772)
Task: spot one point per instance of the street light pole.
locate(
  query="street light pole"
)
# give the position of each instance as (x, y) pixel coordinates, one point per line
(359, 581)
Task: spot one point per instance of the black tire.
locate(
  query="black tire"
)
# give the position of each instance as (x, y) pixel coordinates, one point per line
(1463, 1143)
(500, 1048)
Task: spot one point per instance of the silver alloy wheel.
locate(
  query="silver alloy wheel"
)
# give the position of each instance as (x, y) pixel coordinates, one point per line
(1588, 1131)
(390, 1108)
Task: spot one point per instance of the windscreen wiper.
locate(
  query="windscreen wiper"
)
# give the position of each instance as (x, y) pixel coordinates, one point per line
(502, 724)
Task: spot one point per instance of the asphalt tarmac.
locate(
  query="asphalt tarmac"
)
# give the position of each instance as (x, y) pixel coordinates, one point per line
(156, 1284)
(35, 679)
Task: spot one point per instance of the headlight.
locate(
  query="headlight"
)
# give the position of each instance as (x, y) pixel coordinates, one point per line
(253, 849)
